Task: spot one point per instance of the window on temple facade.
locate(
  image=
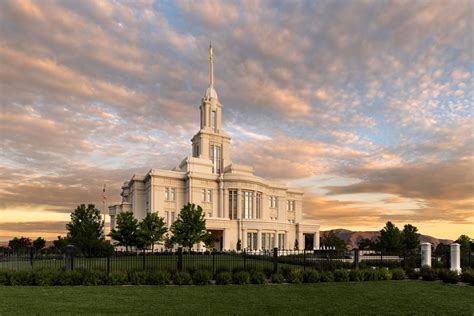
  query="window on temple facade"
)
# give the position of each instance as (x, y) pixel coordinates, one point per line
(258, 205)
(233, 204)
(272, 201)
(213, 121)
(215, 156)
(209, 195)
(170, 194)
(268, 240)
(203, 195)
(252, 241)
(290, 205)
(281, 241)
(247, 204)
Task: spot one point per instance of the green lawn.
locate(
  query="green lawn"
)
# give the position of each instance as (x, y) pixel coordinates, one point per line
(376, 298)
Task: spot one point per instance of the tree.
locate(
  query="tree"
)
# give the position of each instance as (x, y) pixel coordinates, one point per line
(190, 226)
(168, 241)
(126, 231)
(19, 244)
(60, 244)
(238, 246)
(39, 243)
(366, 244)
(86, 231)
(151, 230)
(465, 242)
(330, 239)
(410, 239)
(390, 238)
(209, 241)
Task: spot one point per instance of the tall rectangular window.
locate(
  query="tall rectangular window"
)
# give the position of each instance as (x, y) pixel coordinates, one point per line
(233, 204)
(213, 120)
(247, 204)
(258, 205)
(203, 195)
(209, 195)
(170, 194)
(215, 155)
(281, 241)
(290, 206)
(268, 240)
(272, 201)
(252, 241)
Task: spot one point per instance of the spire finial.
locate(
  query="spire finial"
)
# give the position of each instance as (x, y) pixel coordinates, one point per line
(211, 68)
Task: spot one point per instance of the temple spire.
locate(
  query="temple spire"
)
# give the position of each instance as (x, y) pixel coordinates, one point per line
(211, 68)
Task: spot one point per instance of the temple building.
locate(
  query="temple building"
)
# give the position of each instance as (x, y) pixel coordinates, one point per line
(238, 205)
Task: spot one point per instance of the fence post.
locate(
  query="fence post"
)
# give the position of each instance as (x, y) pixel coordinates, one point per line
(69, 258)
(275, 260)
(245, 267)
(180, 259)
(143, 264)
(356, 258)
(304, 259)
(108, 264)
(381, 258)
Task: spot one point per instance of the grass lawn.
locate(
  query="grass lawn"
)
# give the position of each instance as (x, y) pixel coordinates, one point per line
(379, 297)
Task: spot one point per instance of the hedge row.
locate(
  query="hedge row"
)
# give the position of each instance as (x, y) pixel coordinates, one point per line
(445, 275)
(197, 277)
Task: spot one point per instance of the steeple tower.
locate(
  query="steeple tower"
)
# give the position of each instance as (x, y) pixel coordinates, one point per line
(211, 142)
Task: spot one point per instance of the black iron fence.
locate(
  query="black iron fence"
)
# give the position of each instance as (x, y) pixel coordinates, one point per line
(227, 261)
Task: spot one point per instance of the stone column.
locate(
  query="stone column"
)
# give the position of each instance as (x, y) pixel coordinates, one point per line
(259, 239)
(275, 239)
(316, 240)
(254, 204)
(239, 199)
(220, 212)
(223, 240)
(225, 210)
(244, 239)
(426, 254)
(455, 257)
(301, 241)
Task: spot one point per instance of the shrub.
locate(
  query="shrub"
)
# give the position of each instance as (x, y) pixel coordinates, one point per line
(467, 276)
(220, 269)
(341, 275)
(356, 275)
(46, 278)
(327, 276)
(286, 272)
(21, 277)
(398, 274)
(311, 276)
(4, 277)
(181, 278)
(137, 277)
(158, 277)
(278, 278)
(295, 276)
(268, 271)
(202, 277)
(241, 277)
(70, 278)
(224, 278)
(384, 274)
(238, 269)
(94, 277)
(428, 274)
(118, 278)
(414, 275)
(258, 277)
(370, 275)
(449, 276)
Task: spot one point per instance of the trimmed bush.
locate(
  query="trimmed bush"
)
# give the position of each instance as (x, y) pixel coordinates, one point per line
(4, 277)
(295, 276)
(428, 274)
(398, 274)
(341, 275)
(311, 276)
(467, 276)
(181, 278)
(118, 278)
(370, 275)
(278, 278)
(384, 274)
(21, 277)
(327, 276)
(241, 277)
(268, 271)
(137, 277)
(356, 275)
(224, 278)
(46, 278)
(286, 272)
(414, 275)
(258, 277)
(202, 277)
(449, 276)
(158, 277)
(94, 277)
(70, 278)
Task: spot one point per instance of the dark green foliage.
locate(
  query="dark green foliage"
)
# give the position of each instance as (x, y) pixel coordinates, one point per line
(341, 275)
(295, 276)
(126, 231)
(151, 230)
(258, 277)
(330, 239)
(238, 269)
(327, 276)
(377, 263)
(241, 277)
(414, 275)
(390, 238)
(46, 277)
(202, 277)
(158, 277)
(465, 242)
(19, 245)
(278, 278)
(467, 276)
(286, 272)
(268, 271)
(356, 275)
(94, 277)
(384, 274)
(118, 278)
(224, 278)
(137, 277)
(311, 276)
(70, 278)
(86, 231)
(410, 239)
(428, 274)
(5, 277)
(448, 276)
(181, 278)
(190, 226)
(39, 244)
(398, 274)
(370, 275)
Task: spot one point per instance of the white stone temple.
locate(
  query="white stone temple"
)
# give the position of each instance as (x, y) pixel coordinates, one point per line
(238, 205)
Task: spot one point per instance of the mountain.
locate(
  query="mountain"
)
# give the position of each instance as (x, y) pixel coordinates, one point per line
(353, 238)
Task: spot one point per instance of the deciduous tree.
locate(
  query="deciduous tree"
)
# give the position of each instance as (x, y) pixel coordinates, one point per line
(126, 231)
(151, 230)
(410, 239)
(39, 243)
(390, 237)
(190, 226)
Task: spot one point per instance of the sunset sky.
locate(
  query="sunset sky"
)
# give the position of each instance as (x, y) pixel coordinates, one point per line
(366, 105)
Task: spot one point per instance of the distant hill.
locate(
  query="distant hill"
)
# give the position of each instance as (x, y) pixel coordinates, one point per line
(353, 238)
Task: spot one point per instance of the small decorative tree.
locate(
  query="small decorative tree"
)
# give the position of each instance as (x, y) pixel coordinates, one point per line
(125, 234)
(39, 244)
(239, 245)
(190, 226)
(168, 241)
(151, 230)
(296, 244)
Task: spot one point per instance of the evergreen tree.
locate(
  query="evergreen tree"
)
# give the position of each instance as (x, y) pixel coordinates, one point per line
(390, 238)
(151, 230)
(19, 245)
(330, 239)
(410, 239)
(465, 242)
(39, 243)
(126, 231)
(190, 226)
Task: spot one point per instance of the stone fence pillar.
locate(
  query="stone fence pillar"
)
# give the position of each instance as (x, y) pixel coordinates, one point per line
(425, 254)
(455, 257)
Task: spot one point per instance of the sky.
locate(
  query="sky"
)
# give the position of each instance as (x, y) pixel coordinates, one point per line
(365, 105)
